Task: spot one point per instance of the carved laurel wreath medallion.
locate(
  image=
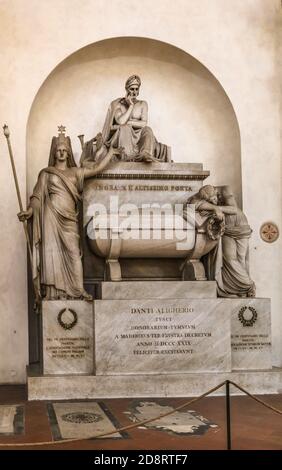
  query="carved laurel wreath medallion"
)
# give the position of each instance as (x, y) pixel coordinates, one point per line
(215, 228)
(67, 324)
(247, 320)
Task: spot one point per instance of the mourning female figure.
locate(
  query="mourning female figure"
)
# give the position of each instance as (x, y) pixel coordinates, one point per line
(228, 262)
(233, 279)
(53, 209)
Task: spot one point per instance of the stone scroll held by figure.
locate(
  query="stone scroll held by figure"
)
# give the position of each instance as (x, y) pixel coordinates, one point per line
(126, 127)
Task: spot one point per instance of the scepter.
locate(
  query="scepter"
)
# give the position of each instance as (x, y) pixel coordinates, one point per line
(7, 135)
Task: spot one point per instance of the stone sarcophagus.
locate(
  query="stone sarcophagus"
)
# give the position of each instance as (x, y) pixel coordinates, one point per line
(134, 226)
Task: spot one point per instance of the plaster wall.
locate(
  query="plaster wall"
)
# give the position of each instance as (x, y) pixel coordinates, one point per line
(235, 40)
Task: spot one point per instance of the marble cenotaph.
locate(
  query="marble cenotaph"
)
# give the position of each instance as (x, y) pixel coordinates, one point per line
(151, 294)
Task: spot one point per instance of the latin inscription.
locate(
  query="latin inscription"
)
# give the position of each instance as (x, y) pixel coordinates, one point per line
(160, 336)
(163, 334)
(66, 348)
(141, 187)
(251, 342)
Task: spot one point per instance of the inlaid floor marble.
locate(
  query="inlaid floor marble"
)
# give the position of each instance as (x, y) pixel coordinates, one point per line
(180, 422)
(11, 419)
(82, 420)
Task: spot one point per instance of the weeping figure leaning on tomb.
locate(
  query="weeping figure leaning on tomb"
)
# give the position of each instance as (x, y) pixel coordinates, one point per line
(53, 210)
(233, 279)
(228, 262)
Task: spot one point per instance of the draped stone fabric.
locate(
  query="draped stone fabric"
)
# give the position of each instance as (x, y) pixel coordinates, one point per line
(228, 264)
(57, 266)
(135, 142)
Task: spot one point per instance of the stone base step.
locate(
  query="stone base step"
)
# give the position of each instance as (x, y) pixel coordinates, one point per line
(70, 387)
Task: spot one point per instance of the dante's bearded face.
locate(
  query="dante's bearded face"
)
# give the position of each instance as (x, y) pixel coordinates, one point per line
(133, 91)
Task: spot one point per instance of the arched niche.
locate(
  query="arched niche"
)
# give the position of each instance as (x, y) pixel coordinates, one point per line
(188, 108)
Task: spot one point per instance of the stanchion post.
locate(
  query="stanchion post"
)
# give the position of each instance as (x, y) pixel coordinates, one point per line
(228, 416)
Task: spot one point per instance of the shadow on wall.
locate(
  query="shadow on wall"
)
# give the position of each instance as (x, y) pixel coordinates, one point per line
(188, 108)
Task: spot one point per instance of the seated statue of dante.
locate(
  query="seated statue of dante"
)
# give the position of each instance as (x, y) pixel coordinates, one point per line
(126, 127)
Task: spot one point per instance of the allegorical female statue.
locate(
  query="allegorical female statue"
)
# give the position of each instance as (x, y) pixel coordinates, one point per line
(228, 262)
(57, 265)
(232, 272)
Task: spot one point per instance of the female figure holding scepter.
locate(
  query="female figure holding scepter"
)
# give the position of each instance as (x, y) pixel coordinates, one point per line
(57, 266)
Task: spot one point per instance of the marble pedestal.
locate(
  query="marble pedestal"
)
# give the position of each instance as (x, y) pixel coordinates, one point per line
(250, 333)
(161, 336)
(149, 344)
(161, 327)
(146, 333)
(67, 337)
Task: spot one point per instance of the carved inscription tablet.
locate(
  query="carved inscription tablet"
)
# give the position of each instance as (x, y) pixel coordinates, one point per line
(67, 337)
(159, 336)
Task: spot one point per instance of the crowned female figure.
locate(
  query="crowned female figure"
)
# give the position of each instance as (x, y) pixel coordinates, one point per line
(53, 210)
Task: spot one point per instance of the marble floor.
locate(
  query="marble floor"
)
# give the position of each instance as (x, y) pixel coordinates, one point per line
(201, 426)
(181, 422)
(11, 420)
(82, 419)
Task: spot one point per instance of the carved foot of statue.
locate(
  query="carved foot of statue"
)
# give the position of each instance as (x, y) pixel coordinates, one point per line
(146, 157)
(86, 296)
(252, 291)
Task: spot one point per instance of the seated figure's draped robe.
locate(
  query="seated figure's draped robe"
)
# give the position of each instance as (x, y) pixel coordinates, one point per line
(136, 142)
(57, 266)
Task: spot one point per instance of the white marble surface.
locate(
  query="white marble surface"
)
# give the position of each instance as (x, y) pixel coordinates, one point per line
(180, 422)
(169, 385)
(7, 416)
(67, 351)
(161, 336)
(250, 345)
(157, 290)
(115, 194)
(82, 420)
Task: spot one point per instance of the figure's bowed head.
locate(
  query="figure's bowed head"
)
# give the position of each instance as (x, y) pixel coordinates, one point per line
(132, 87)
(209, 194)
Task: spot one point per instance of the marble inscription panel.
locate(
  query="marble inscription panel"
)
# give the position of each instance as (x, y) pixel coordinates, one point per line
(160, 336)
(67, 337)
(250, 333)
